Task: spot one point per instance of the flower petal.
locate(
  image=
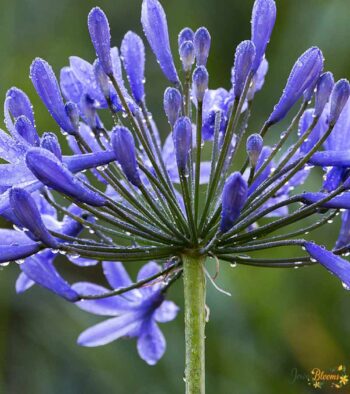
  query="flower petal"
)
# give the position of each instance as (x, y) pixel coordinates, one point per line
(109, 330)
(166, 312)
(335, 264)
(41, 270)
(151, 344)
(23, 283)
(109, 306)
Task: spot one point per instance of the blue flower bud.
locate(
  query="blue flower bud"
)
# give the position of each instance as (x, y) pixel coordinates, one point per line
(234, 196)
(101, 38)
(324, 89)
(17, 252)
(133, 55)
(339, 97)
(254, 146)
(182, 138)
(46, 85)
(186, 34)
(81, 162)
(187, 55)
(50, 142)
(263, 21)
(334, 264)
(200, 80)
(72, 111)
(172, 104)
(244, 58)
(124, 147)
(42, 271)
(27, 212)
(305, 72)
(155, 26)
(201, 42)
(27, 131)
(18, 104)
(52, 173)
(72, 88)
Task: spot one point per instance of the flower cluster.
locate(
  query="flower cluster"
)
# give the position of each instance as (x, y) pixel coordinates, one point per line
(122, 195)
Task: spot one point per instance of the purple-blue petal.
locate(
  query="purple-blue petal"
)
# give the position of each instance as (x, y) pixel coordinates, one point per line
(335, 264)
(155, 26)
(133, 52)
(305, 72)
(50, 171)
(46, 85)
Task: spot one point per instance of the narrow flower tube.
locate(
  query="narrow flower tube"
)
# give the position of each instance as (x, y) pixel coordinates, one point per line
(18, 104)
(46, 85)
(335, 264)
(263, 21)
(27, 130)
(17, 252)
(304, 74)
(133, 55)
(244, 58)
(200, 80)
(27, 212)
(51, 172)
(186, 34)
(172, 104)
(324, 89)
(42, 271)
(182, 137)
(339, 202)
(86, 161)
(155, 26)
(254, 147)
(339, 98)
(201, 42)
(101, 38)
(50, 142)
(234, 196)
(124, 147)
(187, 55)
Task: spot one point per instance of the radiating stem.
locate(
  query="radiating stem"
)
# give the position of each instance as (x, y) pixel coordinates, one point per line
(194, 293)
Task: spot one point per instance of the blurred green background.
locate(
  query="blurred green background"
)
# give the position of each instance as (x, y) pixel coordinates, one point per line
(276, 320)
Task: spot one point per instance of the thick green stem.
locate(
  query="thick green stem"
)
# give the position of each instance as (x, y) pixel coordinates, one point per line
(194, 292)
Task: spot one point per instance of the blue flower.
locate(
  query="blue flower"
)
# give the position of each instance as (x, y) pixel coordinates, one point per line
(134, 316)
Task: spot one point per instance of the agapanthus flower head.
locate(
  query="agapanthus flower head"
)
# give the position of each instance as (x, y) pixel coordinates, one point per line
(127, 193)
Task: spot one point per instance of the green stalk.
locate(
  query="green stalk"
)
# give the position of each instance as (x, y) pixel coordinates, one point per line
(194, 293)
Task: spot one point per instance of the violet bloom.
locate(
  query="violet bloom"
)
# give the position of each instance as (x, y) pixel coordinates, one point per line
(136, 316)
(124, 196)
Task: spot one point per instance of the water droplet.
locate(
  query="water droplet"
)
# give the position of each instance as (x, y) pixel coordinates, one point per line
(346, 287)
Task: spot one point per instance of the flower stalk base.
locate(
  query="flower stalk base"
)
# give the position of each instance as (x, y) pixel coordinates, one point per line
(194, 293)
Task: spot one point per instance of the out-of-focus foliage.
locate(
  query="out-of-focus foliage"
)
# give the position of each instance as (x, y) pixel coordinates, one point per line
(276, 320)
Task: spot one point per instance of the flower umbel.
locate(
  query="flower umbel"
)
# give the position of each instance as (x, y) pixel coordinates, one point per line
(122, 195)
